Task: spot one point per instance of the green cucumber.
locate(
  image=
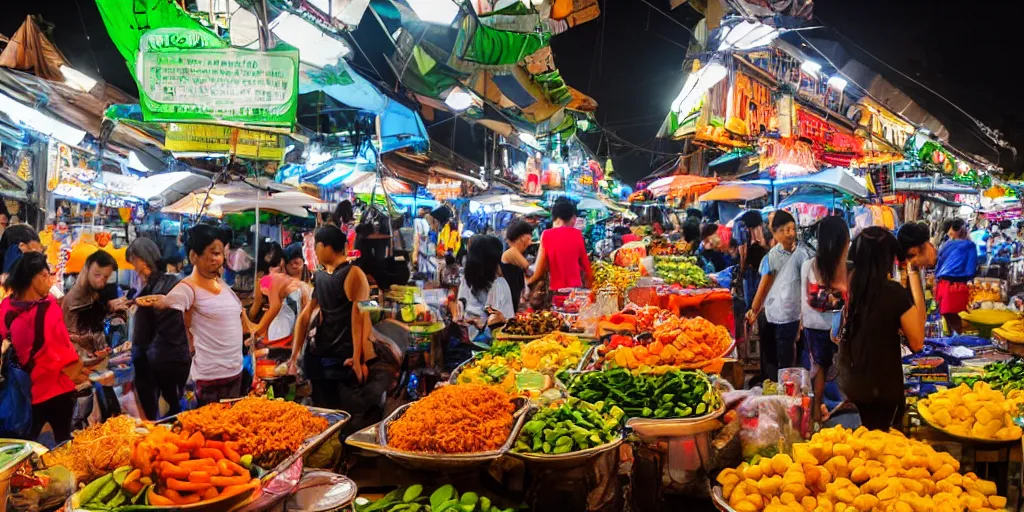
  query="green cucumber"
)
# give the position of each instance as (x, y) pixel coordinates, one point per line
(89, 492)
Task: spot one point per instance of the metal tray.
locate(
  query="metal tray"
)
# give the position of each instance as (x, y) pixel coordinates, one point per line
(721, 503)
(566, 460)
(594, 357)
(676, 427)
(7, 470)
(928, 420)
(587, 356)
(374, 439)
(335, 420)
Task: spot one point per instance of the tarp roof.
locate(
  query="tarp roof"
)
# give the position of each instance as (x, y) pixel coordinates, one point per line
(30, 50)
(833, 177)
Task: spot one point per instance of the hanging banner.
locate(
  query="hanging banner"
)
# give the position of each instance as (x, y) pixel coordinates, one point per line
(827, 135)
(182, 78)
(208, 138)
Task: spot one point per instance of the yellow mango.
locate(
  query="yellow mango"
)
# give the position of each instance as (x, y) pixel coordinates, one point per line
(794, 475)
(797, 490)
(766, 467)
(842, 449)
(780, 463)
(997, 502)
(770, 485)
(986, 487)
(943, 472)
(865, 502)
(902, 506)
(912, 485)
(824, 504)
(728, 477)
(838, 466)
(753, 472)
(755, 499)
(745, 506)
(918, 473)
(844, 495)
(808, 503)
(811, 474)
(787, 497)
(859, 475)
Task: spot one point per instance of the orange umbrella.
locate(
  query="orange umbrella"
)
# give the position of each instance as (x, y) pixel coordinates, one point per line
(82, 250)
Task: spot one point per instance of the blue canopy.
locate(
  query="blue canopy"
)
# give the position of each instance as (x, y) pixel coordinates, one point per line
(835, 178)
(400, 126)
(827, 198)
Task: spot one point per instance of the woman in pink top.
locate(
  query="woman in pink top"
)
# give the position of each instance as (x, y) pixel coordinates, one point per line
(562, 251)
(33, 321)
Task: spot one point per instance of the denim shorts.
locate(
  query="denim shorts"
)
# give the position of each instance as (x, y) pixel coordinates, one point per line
(823, 350)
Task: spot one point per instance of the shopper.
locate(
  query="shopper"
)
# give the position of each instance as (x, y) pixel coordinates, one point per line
(870, 359)
(275, 327)
(484, 293)
(295, 267)
(711, 248)
(956, 263)
(514, 265)
(563, 253)
(779, 295)
(751, 246)
(340, 360)
(160, 352)
(33, 323)
(213, 316)
(823, 286)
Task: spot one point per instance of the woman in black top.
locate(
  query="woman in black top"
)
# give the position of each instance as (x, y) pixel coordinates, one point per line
(870, 362)
(160, 352)
(514, 265)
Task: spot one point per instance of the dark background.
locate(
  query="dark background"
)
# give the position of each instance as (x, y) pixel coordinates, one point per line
(630, 61)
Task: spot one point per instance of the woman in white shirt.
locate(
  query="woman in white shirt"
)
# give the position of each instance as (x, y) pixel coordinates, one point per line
(483, 292)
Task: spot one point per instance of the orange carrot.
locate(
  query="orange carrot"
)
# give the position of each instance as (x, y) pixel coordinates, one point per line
(201, 477)
(237, 489)
(231, 454)
(132, 476)
(210, 494)
(177, 457)
(227, 481)
(228, 468)
(180, 499)
(197, 440)
(169, 470)
(132, 487)
(212, 453)
(157, 500)
(214, 444)
(195, 464)
(179, 485)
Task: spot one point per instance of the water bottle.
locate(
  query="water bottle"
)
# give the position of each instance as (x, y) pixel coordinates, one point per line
(413, 388)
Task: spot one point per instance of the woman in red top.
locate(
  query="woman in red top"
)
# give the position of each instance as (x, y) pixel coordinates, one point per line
(562, 251)
(33, 321)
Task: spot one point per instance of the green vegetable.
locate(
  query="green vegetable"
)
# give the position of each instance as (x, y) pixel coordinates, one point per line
(675, 394)
(246, 461)
(412, 493)
(570, 426)
(117, 500)
(441, 495)
(89, 493)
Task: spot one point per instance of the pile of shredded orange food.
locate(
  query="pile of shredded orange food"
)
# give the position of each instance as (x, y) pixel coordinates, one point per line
(467, 418)
(269, 430)
(97, 449)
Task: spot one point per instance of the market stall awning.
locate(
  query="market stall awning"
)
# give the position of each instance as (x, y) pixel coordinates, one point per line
(681, 184)
(169, 187)
(734, 191)
(835, 177)
(932, 184)
(239, 198)
(827, 198)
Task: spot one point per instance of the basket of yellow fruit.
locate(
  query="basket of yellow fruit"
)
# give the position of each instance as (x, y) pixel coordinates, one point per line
(979, 415)
(862, 470)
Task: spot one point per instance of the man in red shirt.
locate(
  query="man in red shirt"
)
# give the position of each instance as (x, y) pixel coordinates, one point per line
(562, 251)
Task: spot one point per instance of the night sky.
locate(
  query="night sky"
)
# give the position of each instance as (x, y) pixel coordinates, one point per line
(630, 61)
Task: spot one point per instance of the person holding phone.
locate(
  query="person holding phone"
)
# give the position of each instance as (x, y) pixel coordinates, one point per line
(483, 293)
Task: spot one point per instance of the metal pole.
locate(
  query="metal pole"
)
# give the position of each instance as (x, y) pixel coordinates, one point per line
(256, 245)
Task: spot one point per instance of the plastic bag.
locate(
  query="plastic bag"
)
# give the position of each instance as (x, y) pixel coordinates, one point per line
(15, 398)
(60, 485)
(767, 427)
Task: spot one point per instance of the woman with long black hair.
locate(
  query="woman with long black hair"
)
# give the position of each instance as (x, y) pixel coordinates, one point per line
(870, 359)
(33, 322)
(823, 286)
(484, 293)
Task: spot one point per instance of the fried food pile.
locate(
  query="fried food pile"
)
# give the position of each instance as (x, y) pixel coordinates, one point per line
(467, 418)
(97, 449)
(269, 430)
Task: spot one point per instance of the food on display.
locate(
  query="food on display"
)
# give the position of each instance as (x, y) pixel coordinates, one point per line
(674, 394)
(489, 369)
(686, 342)
(170, 469)
(445, 499)
(985, 291)
(467, 418)
(96, 450)
(533, 324)
(1012, 331)
(620, 278)
(682, 270)
(649, 316)
(664, 247)
(570, 426)
(617, 323)
(1003, 376)
(269, 430)
(629, 255)
(978, 412)
(862, 470)
(556, 351)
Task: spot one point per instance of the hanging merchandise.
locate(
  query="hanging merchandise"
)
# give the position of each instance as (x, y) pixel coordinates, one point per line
(551, 178)
(532, 183)
(789, 157)
(752, 111)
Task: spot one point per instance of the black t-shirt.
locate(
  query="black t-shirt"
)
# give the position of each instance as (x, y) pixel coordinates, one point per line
(870, 362)
(334, 334)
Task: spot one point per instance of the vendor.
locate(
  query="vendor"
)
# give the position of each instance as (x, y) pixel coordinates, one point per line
(341, 361)
(956, 263)
(563, 252)
(514, 265)
(276, 325)
(870, 358)
(160, 352)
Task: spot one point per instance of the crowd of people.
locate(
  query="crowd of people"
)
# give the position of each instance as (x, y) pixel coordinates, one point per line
(817, 297)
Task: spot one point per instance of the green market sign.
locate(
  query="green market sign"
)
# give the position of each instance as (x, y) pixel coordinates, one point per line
(183, 75)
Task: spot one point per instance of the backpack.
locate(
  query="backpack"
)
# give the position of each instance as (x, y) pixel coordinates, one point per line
(16, 380)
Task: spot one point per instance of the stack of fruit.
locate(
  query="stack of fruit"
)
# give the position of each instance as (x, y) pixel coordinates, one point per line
(620, 278)
(866, 470)
(979, 412)
(681, 270)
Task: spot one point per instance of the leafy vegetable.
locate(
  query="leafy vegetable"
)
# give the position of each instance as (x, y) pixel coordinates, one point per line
(444, 499)
(1005, 376)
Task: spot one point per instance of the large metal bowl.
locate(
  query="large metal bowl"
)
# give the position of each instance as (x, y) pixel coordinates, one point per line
(20, 450)
(374, 439)
(566, 460)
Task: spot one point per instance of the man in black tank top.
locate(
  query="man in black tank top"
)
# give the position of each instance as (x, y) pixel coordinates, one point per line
(340, 360)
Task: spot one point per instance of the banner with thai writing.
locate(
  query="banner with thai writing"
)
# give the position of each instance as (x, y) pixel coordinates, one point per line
(826, 134)
(209, 138)
(182, 78)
